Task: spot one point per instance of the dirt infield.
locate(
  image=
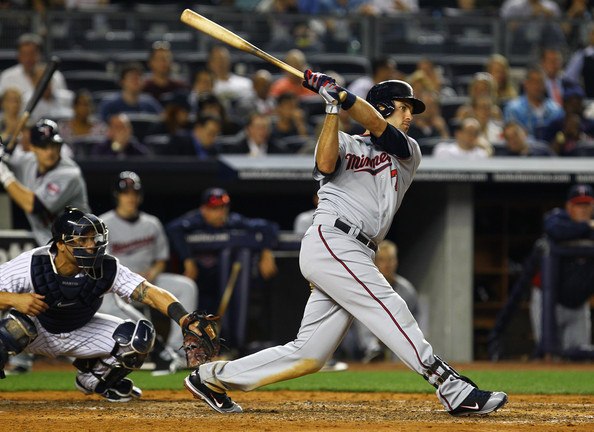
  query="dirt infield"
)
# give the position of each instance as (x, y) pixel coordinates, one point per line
(288, 411)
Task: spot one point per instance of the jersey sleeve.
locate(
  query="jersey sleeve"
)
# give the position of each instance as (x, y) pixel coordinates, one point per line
(58, 190)
(126, 282)
(14, 275)
(161, 242)
(319, 175)
(395, 142)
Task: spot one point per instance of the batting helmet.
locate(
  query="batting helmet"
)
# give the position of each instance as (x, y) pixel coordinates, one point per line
(382, 96)
(45, 132)
(87, 235)
(213, 197)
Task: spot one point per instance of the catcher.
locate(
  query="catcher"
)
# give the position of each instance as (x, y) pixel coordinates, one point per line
(53, 293)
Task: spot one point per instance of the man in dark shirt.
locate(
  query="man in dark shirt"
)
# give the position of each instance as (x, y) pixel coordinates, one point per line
(518, 143)
(160, 81)
(213, 217)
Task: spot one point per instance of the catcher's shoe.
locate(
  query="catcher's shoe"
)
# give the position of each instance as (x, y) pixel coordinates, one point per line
(480, 402)
(123, 391)
(217, 401)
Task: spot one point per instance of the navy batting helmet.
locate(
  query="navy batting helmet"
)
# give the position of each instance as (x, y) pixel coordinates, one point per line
(128, 180)
(382, 96)
(87, 235)
(45, 132)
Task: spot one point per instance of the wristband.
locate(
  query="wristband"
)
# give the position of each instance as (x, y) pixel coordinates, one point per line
(349, 101)
(176, 311)
(332, 108)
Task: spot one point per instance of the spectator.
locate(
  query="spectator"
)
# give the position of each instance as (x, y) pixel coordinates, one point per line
(160, 81)
(537, 27)
(10, 113)
(289, 119)
(435, 78)
(214, 217)
(468, 144)
(576, 273)
(176, 113)
(51, 105)
(201, 141)
(392, 7)
(386, 260)
(429, 123)
(25, 74)
(256, 140)
(580, 68)
(482, 84)
(382, 69)
(211, 104)
(533, 110)
(262, 102)
(228, 86)
(120, 141)
(84, 125)
(498, 67)
(518, 143)
(290, 83)
(130, 99)
(139, 242)
(576, 13)
(491, 126)
(551, 62)
(203, 85)
(571, 127)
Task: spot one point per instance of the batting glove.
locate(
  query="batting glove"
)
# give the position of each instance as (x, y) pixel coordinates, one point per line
(326, 87)
(6, 175)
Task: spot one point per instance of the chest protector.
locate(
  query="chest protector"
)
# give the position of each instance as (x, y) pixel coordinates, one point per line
(72, 301)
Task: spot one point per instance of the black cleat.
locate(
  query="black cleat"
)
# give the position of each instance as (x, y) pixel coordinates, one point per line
(219, 402)
(480, 402)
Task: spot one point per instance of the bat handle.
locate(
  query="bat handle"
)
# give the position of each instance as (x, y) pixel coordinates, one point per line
(342, 95)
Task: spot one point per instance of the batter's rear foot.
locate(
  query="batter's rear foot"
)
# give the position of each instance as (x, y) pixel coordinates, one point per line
(480, 402)
(219, 402)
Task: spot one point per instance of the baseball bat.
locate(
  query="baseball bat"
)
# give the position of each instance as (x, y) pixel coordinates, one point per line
(222, 34)
(50, 68)
(229, 290)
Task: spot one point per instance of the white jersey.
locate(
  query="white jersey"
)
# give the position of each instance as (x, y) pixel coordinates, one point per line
(368, 187)
(15, 276)
(62, 186)
(138, 243)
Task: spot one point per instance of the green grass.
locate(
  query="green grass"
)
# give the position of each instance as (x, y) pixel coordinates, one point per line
(520, 382)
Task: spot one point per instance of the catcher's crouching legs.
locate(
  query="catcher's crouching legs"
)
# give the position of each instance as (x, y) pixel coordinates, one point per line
(107, 376)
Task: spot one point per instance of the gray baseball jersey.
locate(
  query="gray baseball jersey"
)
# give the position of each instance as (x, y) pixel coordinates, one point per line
(61, 186)
(138, 243)
(365, 191)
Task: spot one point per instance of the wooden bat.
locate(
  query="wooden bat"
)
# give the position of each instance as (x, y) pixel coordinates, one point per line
(39, 89)
(211, 28)
(229, 290)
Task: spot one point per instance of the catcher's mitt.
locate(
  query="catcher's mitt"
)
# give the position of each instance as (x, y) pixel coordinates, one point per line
(200, 348)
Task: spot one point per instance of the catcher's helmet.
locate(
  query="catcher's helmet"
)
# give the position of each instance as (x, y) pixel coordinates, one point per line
(382, 96)
(87, 235)
(45, 132)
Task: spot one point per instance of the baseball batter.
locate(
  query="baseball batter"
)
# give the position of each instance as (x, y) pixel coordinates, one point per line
(55, 291)
(42, 182)
(363, 180)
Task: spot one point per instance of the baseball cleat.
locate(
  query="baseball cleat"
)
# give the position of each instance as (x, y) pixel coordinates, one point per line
(480, 402)
(219, 402)
(124, 391)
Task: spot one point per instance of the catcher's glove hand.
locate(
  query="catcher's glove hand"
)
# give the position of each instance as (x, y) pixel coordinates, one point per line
(200, 348)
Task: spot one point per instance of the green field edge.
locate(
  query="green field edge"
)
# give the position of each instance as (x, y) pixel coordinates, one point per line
(517, 382)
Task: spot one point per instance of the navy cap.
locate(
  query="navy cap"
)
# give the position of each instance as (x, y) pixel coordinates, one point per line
(580, 193)
(574, 91)
(214, 197)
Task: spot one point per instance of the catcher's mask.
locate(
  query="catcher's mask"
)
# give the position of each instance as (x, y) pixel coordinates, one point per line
(86, 234)
(383, 94)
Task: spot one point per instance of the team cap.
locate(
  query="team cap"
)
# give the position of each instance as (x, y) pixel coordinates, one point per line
(214, 197)
(580, 193)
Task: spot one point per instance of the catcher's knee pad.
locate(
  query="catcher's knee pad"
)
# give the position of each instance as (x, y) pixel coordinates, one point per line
(17, 331)
(133, 343)
(440, 371)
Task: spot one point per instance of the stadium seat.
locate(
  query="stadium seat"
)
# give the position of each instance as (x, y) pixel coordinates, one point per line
(141, 123)
(91, 80)
(76, 60)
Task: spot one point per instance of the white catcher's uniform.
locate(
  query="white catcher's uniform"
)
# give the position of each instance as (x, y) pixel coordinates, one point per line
(93, 339)
(138, 244)
(364, 192)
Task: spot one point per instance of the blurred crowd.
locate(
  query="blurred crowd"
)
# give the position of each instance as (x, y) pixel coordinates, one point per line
(539, 109)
